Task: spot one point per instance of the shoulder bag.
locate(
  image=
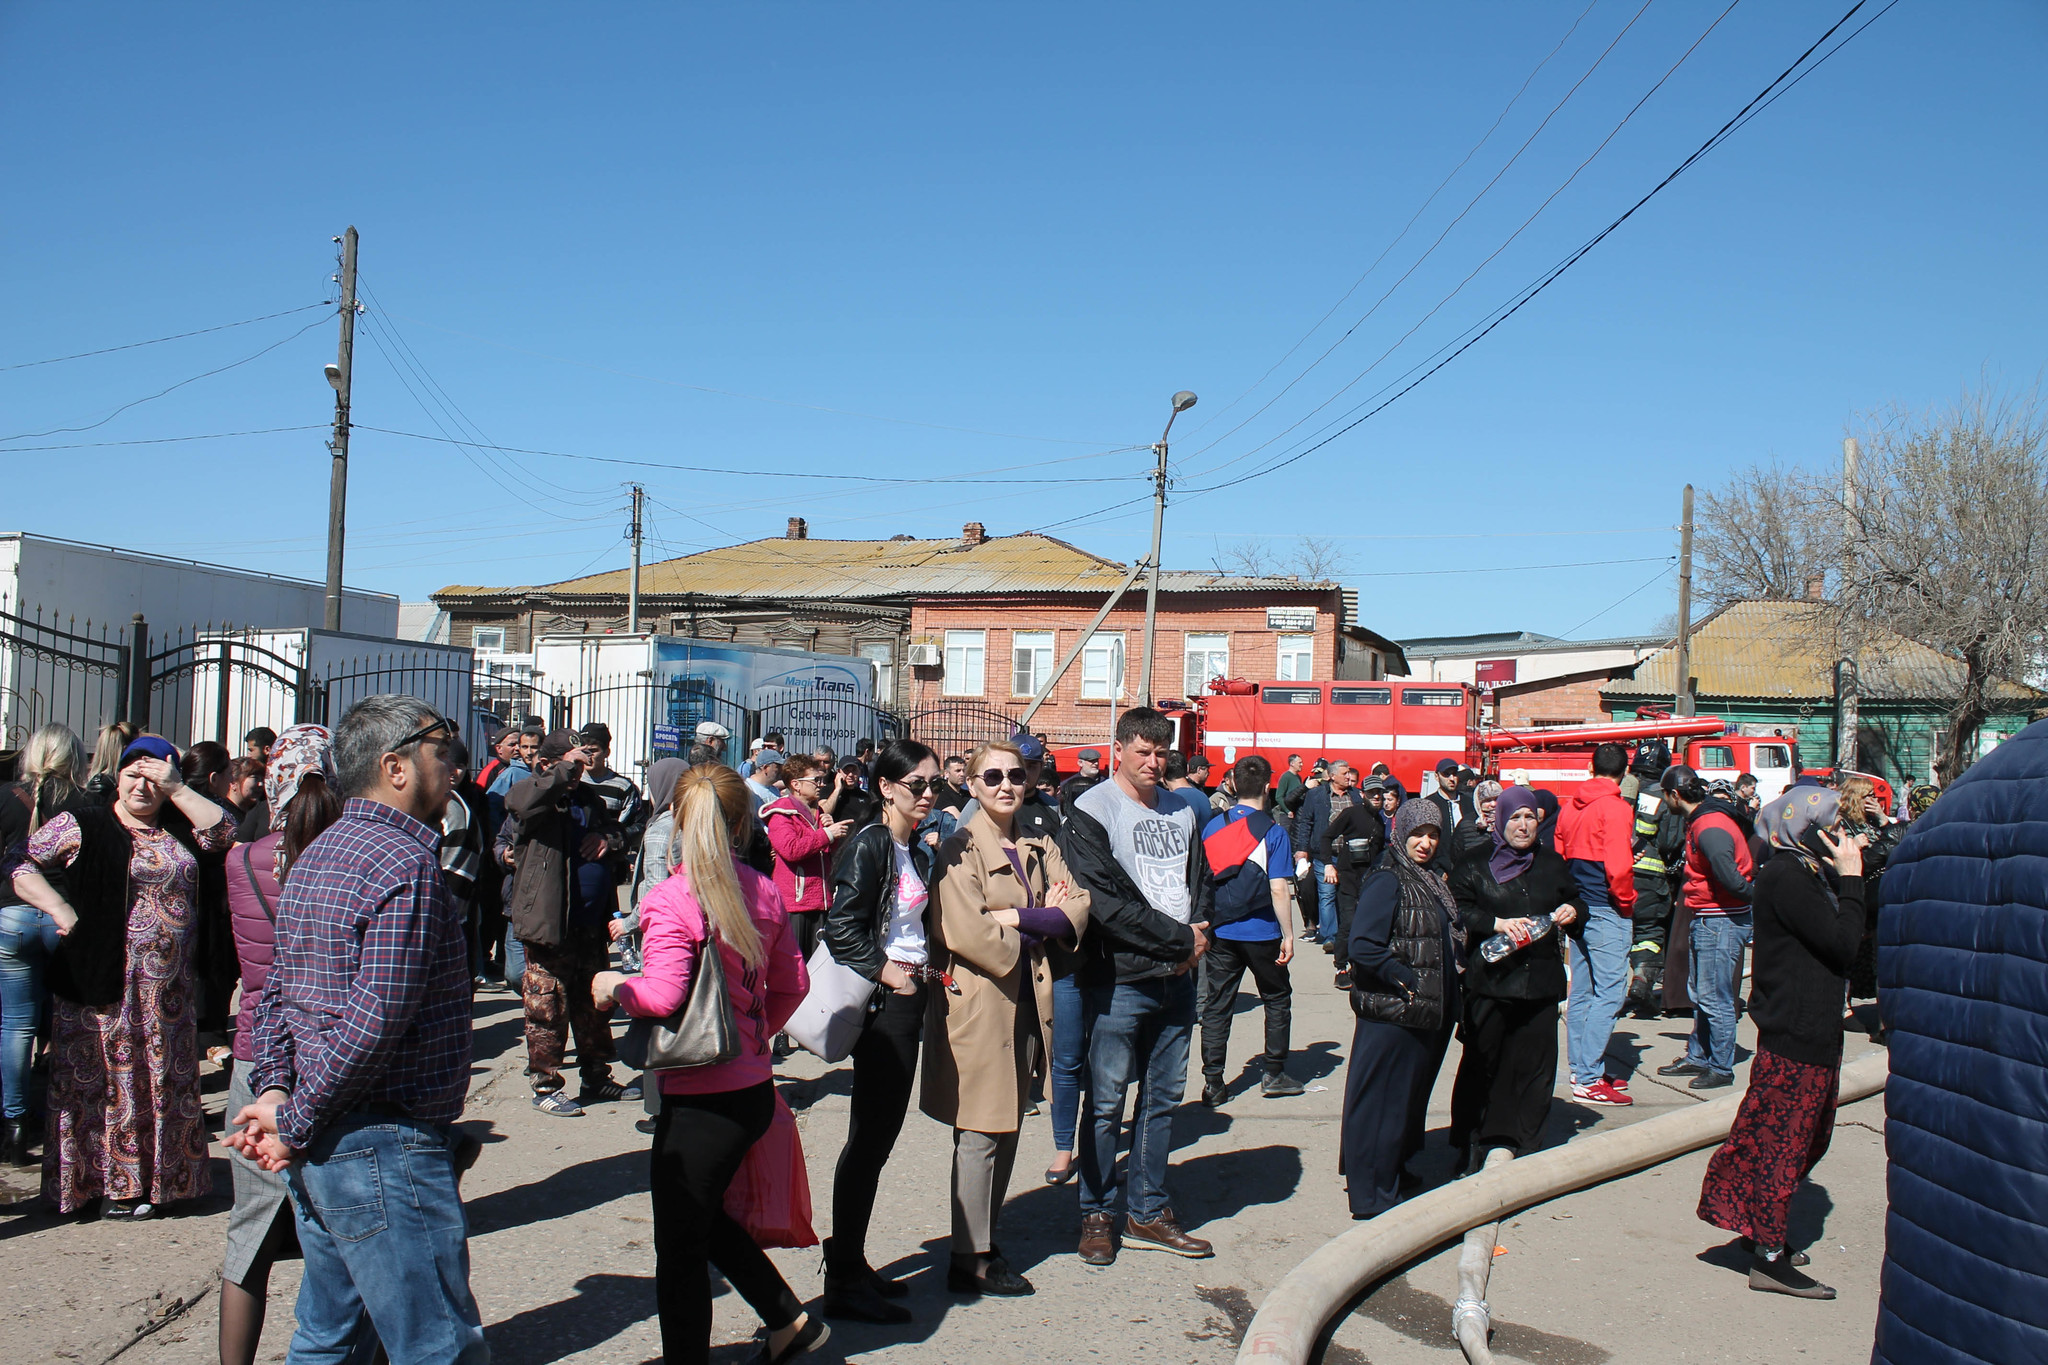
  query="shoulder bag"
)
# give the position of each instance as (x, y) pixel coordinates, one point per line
(703, 1032)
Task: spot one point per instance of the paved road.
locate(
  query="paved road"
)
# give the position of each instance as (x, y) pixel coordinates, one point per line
(563, 1265)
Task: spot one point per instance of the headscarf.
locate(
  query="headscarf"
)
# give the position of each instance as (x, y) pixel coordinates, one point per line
(1413, 815)
(300, 750)
(1786, 822)
(1922, 798)
(661, 782)
(1547, 806)
(1510, 862)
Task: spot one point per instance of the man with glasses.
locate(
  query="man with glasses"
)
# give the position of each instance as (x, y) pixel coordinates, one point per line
(362, 1040)
(563, 895)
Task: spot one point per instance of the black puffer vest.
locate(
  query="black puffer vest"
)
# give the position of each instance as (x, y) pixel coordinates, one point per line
(1418, 940)
(90, 966)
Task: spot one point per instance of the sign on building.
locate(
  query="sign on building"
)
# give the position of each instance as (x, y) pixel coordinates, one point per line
(1292, 619)
(1496, 672)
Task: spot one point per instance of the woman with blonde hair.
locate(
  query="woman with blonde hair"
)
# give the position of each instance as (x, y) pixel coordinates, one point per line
(113, 741)
(711, 1115)
(52, 781)
(1003, 894)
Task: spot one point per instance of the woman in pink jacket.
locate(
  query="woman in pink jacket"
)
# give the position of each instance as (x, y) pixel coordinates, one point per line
(803, 839)
(711, 1115)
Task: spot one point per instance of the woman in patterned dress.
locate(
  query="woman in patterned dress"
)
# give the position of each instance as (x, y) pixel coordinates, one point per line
(125, 1122)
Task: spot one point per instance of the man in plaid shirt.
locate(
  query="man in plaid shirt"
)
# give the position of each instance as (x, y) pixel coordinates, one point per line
(363, 1055)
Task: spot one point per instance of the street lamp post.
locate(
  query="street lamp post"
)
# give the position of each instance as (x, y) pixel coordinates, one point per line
(1182, 401)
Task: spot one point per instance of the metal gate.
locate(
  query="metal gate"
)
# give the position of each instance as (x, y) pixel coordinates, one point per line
(957, 728)
(219, 686)
(809, 720)
(52, 672)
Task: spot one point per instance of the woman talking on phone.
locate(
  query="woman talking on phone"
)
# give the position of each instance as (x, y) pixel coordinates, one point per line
(876, 923)
(1003, 895)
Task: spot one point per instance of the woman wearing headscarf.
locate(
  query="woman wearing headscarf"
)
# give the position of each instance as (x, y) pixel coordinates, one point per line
(1547, 807)
(299, 784)
(1509, 1067)
(1406, 998)
(125, 1122)
(1474, 838)
(1809, 919)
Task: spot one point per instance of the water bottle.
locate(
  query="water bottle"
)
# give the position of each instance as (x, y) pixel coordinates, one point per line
(1500, 945)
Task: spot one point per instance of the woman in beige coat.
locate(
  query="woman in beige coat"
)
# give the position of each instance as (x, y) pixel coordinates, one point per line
(1002, 896)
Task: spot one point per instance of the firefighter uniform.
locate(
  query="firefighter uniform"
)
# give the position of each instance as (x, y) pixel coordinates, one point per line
(1659, 845)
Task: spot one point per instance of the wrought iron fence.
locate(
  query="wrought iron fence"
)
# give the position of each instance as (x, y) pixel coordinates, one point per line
(60, 670)
(953, 728)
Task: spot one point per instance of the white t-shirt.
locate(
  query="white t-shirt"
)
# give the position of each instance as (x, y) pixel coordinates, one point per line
(1150, 842)
(904, 941)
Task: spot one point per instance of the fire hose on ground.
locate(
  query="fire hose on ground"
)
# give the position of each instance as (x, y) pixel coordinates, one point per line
(1289, 1327)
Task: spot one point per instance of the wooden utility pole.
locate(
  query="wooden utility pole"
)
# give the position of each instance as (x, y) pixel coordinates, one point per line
(1847, 722)
(337, 488)
(1683, 686)
(633, 590)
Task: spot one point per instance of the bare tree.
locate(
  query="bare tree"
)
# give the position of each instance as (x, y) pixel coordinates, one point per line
(1949, 546)
(1314, 558)
(1764, 534)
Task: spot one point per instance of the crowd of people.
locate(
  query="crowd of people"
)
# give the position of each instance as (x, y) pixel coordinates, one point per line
(1017, 937)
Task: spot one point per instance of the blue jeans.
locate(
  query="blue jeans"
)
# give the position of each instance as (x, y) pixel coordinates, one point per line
(1326, 903)
(1070, 1018)
(1599, 980)
(515, 960)
(1140, 1032)
(27, 938)
(1716, 947)
(381, 1224)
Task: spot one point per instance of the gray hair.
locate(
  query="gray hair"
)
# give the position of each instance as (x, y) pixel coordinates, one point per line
(1489, 790)
(823, 753)
(701, 754)
(370, 730)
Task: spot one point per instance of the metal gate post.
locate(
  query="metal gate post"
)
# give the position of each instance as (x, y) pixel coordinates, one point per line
(138, 673)
(220, 702)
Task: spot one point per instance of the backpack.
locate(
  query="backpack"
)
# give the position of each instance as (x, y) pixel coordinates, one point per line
(1236, 851)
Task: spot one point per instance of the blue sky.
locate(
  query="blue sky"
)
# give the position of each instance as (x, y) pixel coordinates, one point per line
(938, 242)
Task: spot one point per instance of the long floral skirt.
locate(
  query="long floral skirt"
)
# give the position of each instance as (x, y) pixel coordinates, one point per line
(1781, 1132)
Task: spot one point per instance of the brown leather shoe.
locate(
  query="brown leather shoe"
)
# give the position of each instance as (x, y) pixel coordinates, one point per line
(1098, 1239)
(1164, 1234)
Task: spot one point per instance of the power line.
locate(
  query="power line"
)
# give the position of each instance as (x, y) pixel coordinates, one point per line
(169, 440)
(158, 341)
(1655, 578)
(60, 431)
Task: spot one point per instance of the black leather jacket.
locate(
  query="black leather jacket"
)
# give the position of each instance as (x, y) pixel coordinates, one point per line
(1532, 973)
(863, 897)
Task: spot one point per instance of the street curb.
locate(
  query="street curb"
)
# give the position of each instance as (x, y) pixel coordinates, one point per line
(1289, 1326)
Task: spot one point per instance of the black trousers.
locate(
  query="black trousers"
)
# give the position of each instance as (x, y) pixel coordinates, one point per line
(884, 1072)
(1507, 1074)
(699, 1141)
(1225, 963)
(1386, 1099)
(805, 924)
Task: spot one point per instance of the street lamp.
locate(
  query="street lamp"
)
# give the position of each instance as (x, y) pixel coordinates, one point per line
(1182, 401)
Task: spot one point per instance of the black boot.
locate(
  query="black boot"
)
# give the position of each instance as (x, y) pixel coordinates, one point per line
(854, 1291)
(15, 1141)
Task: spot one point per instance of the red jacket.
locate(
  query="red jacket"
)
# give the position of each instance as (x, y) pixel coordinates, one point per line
(1594, 830)
(802, 853)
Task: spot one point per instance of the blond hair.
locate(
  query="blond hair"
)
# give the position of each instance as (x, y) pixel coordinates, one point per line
(1853, 789)
(114, 738)
(54, 756)
(993, 746)
(713, 808)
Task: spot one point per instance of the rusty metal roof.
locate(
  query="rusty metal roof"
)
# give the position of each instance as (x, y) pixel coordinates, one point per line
(1766, 650)
(794, 569)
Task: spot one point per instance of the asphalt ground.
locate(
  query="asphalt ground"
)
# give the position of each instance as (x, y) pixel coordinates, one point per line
(562, 1262)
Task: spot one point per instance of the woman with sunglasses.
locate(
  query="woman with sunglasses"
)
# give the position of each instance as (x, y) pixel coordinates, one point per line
(1004, 893)
(877, 924)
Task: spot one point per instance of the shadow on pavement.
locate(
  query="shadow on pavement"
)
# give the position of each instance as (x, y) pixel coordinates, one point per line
(602, 1307)
(560, 1193)
(1807, 1224)
(1426, 1318)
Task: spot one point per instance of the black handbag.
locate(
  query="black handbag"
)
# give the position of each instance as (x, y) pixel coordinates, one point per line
(703, 1032)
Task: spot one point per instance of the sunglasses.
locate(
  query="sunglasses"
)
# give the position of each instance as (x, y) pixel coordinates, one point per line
(442, 727)
(994, 777)
(917, 786)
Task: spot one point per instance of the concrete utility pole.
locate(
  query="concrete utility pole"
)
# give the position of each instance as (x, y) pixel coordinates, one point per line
(338, 376)
(633, 591)
(1683, 685)
(1182, 401)
(1847, 722)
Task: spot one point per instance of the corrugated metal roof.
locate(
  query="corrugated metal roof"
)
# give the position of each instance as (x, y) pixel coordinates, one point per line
(786, 569)
(1784, 649)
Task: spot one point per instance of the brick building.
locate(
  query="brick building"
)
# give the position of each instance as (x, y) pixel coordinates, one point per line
(957, 623)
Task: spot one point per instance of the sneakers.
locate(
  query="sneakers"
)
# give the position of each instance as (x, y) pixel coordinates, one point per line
(1280, 1085)
(1619, 1083)
(1098, 1239)
(608, 1091)
(1600, 1092)
(1344, 979)
(558, 1103)
(1682, 1067)
(1164, 1234)
(1713, 1080)
(1330, 946)
(1213, 1092)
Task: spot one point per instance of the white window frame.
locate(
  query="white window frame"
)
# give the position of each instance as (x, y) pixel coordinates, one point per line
(497, 644)
(882, 655)
(966, 663)
(1028, 674)
(1209, 645)
(1297, 662)
(1103, 661)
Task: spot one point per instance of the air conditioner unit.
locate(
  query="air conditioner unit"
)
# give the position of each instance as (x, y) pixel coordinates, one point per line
(926, 656)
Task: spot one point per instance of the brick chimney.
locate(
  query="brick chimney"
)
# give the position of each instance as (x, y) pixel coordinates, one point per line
(799, 529)
(974, 533)
(1817, 589)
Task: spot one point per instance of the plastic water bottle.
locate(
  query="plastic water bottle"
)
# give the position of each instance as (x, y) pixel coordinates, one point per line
(1501, 944)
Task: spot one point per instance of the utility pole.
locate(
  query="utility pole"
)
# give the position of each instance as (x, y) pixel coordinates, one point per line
(1182, 401)
(633, 591)
(1847, 722)
(338, 375)
(1683, 686)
